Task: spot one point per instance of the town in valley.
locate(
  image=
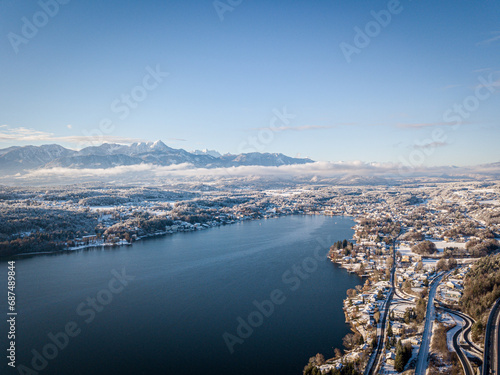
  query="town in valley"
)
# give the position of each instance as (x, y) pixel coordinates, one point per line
(419, 247)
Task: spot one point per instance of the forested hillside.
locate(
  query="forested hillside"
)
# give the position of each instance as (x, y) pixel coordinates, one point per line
(481, 289)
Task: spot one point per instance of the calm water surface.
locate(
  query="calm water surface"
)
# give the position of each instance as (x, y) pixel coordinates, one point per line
(188, 290)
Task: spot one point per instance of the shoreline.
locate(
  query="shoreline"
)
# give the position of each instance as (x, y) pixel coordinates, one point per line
(153, 235)
(352, 354)
(156, 235)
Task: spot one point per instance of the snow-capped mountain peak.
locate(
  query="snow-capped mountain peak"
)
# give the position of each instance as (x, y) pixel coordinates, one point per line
(109, 155)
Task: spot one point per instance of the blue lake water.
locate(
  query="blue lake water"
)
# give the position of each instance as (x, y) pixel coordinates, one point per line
(182, 312)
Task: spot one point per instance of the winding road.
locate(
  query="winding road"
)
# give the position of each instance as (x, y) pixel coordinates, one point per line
(469, 344)
(465, 331)
(462, 356)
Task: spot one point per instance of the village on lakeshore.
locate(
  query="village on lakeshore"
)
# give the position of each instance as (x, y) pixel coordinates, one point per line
(414, 246)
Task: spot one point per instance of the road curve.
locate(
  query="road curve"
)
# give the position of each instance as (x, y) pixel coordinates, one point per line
(491, 363)
(466, 330)
(464, 361)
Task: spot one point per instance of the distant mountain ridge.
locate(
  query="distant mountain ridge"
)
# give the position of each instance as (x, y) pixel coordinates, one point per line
(19, 159)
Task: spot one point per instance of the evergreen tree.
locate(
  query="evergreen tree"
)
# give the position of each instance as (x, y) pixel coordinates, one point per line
(403, 355)
(389, 330)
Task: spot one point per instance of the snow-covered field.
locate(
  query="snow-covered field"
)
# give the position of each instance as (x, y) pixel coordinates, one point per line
(495, 202)
(103, 208)
(429, 263)
(442, 244)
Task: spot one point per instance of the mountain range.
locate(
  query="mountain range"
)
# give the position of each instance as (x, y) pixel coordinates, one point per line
(19, 159)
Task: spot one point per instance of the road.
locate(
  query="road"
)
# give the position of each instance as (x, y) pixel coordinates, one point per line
(491, 362)
(426, 337)
(375, 359)
(462, 356)
(468, 370)
(467, 335)
(404, 297)
(469, 344)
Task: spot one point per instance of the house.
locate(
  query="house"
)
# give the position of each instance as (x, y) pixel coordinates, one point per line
(398, 329)
(390, 358)
(452, 294)
(88, 239)
(453, 285)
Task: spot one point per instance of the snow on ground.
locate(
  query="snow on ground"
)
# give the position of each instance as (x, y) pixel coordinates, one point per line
(414, 354)
(399, 307)
(281, 193)
(430, 263)
(102, 208)
(450, 320)
(404, 250)
(417, 290)
(495, 202)
(442, 244)
(483, 190)
(386, 368)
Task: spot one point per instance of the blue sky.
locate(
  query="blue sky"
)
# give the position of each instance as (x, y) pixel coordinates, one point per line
(394, 100)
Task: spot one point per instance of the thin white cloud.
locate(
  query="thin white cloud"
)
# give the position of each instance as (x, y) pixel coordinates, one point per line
(22, 134)
(492, 82)
(482, 70)
(60, 172)
(420, 125)
(493, 39)
(150, 172)
(351, 172)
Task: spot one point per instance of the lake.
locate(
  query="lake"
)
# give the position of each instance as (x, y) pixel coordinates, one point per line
(257, 297)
